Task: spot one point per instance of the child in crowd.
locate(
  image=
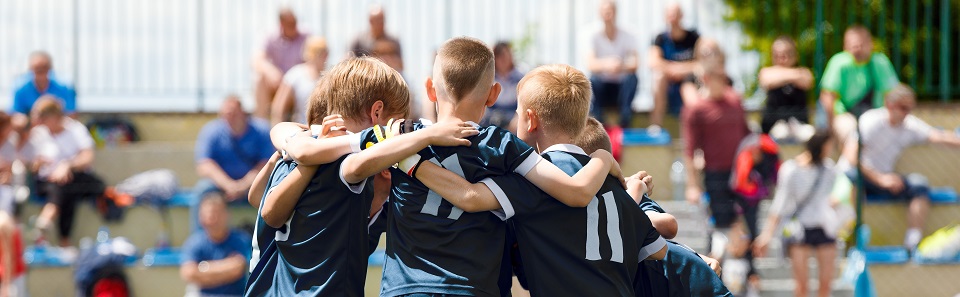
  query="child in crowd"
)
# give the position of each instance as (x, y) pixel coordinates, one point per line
(559, 243)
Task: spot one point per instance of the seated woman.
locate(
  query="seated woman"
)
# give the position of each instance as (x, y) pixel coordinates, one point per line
(64, 156)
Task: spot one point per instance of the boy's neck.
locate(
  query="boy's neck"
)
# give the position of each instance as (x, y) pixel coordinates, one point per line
(464, 111)
(546, 139)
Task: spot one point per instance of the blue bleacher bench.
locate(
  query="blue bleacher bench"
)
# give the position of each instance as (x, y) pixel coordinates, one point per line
(639, 136)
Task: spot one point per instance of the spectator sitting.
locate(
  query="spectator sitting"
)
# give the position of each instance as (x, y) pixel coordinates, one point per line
(281, 52)
(501, 114)
(64, 154)
(885, 132)
(613, 66)
(365, 42)
(706, 52)
(229, 153)
(298, 83)
(42, 84)
(787, 85)
(803, 192)
(215, 259)
(671, 58)
(854, 81)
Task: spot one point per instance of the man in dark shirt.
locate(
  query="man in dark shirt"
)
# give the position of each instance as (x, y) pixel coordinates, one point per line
(671, 58)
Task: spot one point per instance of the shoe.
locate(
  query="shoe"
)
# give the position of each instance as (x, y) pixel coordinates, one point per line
(912, 239)
(654, 130)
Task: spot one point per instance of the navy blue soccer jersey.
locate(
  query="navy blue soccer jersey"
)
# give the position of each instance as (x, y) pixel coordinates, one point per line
(566, 251)
(263, 260)
(681, 273)
(324, 247)
(434, 247)
(647, 205)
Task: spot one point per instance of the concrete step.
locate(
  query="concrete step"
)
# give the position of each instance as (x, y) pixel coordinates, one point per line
(141, 224)
(114, 164)
(174, 127)
(889, 220)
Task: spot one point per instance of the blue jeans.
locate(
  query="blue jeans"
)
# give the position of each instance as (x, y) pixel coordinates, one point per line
(621, 92)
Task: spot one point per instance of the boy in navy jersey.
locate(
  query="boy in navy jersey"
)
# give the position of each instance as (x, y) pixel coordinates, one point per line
(682, 272)
(434, 248)
(566, 251)
(321, 235)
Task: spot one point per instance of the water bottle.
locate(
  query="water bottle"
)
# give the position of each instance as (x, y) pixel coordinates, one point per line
(163, 241)
(678, 178)
(103, 235)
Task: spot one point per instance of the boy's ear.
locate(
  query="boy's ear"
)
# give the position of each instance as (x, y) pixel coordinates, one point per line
(493, 94)
(533, 121)
(376, 111)
(431, 91)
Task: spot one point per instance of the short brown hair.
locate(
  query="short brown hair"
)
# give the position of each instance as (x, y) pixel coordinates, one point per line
(859, 30)
(593, 137)
(559, 94)
(463, 64)
(46, 105)
(352, 87)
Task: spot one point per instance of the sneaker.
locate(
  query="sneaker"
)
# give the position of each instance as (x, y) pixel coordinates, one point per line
(912, 239)
(654, 130)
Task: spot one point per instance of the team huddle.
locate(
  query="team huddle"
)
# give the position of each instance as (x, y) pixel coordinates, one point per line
(464, 207)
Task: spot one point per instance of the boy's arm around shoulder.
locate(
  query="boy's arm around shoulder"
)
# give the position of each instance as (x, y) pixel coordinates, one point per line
(470, 197)
(283, 198)
(577, 190)
(394, 149)
(260, 181)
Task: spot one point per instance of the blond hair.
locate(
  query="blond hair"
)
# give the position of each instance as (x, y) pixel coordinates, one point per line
(559, 94)
(47, 105)
(710, 57)
(900, 92)
(314, 46)
(463, 65)
(593, 137)
(352, 87)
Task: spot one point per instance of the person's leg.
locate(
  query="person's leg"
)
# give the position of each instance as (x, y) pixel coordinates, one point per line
(67, 208)
(628, 90)
(915, 189)
(50, 210)
(263, 92)
(826, 255)
(202, 188)
(659, 99)
(596, 108)
(722, 209)
(798, 259)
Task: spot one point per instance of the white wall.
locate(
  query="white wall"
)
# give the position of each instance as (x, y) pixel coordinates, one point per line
(184, 55)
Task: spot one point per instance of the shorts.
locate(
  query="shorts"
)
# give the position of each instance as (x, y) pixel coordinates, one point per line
(915, 186)
(815, 237)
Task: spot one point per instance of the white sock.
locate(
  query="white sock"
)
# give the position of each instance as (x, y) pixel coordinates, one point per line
(912, 238)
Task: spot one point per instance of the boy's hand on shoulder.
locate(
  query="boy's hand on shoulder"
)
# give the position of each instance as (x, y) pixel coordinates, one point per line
(332, 126)
(450, 133)
(713, 263)
(608, 159)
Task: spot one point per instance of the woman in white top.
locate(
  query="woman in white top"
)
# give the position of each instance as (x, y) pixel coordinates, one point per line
(803, 193)
(298, 83)
(65, 154)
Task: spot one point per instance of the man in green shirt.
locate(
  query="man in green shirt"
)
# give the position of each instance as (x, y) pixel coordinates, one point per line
(854, 81)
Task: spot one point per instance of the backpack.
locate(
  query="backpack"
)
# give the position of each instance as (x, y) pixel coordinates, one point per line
(755, 167)
(99, 270)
